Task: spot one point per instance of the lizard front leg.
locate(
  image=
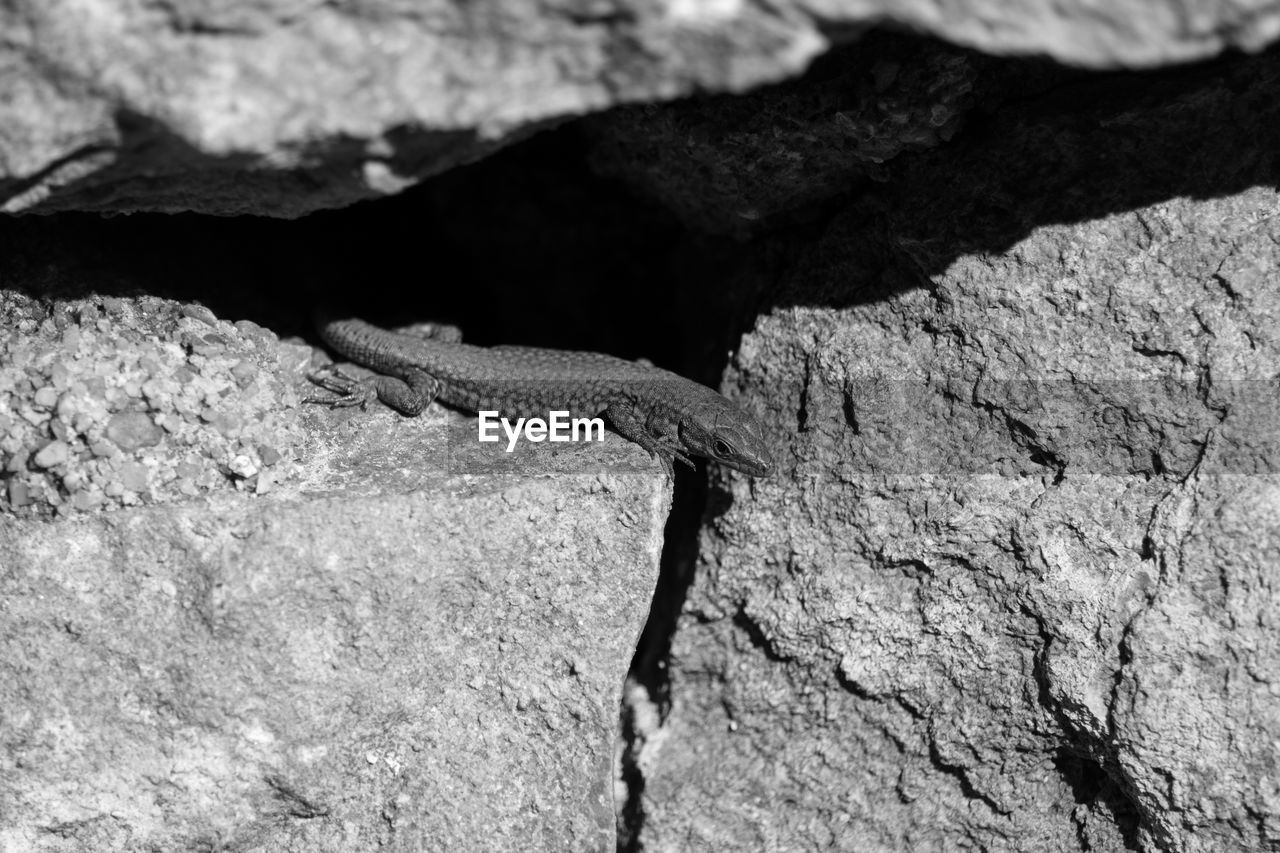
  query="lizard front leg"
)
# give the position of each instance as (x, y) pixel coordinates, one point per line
(624, 418)
(409, 393)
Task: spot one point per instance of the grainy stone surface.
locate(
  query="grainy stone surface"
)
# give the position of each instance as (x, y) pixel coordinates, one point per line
(1014, 587)
(410, 643)
(108, 402)
(113, 105)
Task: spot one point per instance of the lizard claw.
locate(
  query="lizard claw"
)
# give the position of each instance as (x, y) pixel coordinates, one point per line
(349, 390)
(670, 449)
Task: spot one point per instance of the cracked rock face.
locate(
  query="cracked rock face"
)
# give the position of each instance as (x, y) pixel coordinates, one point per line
(1015, 586)
(129, 106)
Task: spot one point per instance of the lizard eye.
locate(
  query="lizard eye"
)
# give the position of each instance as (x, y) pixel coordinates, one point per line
(723, 448)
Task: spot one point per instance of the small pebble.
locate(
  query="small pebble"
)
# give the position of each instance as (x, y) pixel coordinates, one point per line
(226, 423)
(256, 333)
(19, 461)
(133, 476)
(67, 406)
(19, 494)
(34, 417)
(188, 470)
(242, 466)
(185, 405)
(201, 313)
(244, 372)
(53, 453)
(158, 391)
(132, 430)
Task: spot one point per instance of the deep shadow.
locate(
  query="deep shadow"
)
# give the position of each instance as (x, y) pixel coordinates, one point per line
(530, 246)
(653, 650)
(1091, 147)
(1093, 788)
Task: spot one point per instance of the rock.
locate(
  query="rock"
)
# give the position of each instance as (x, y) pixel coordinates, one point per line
(409, 643)
(1013, 587)
(53, 453)
(280, 108)
(131, 431)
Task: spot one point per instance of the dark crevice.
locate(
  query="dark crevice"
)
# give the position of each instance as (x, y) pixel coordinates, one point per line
(1153, 352)
(758, 638)
(631, 815)
(1093, 788)
(961, 775)
(649, 666)
(1080, 761)
(294, 803)
(853, 687)
(1023, 436)
(802, 414)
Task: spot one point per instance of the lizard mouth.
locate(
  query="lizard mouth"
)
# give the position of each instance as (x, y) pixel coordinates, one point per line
(754, 467)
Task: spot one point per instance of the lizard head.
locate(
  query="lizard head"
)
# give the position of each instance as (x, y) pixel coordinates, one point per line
(729, 436)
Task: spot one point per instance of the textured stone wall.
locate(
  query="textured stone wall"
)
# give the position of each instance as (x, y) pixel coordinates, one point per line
(376, 636)
(1007, 309)
(1015, 588)
(280, 107)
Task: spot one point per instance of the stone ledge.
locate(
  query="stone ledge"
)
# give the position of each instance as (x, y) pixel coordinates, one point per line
(436, 670)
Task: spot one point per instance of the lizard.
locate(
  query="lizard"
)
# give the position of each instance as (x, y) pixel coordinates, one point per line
(668, 415)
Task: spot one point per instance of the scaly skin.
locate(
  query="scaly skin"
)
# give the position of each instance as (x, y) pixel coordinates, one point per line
(664, 413)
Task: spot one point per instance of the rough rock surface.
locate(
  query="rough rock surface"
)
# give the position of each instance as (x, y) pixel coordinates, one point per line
(122, 106)
(1015, 586)
(1013, 589)
(750, 163)
(108, 402)
(410, 642)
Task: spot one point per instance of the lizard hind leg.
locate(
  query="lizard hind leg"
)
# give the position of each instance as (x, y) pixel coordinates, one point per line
(444, 333)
